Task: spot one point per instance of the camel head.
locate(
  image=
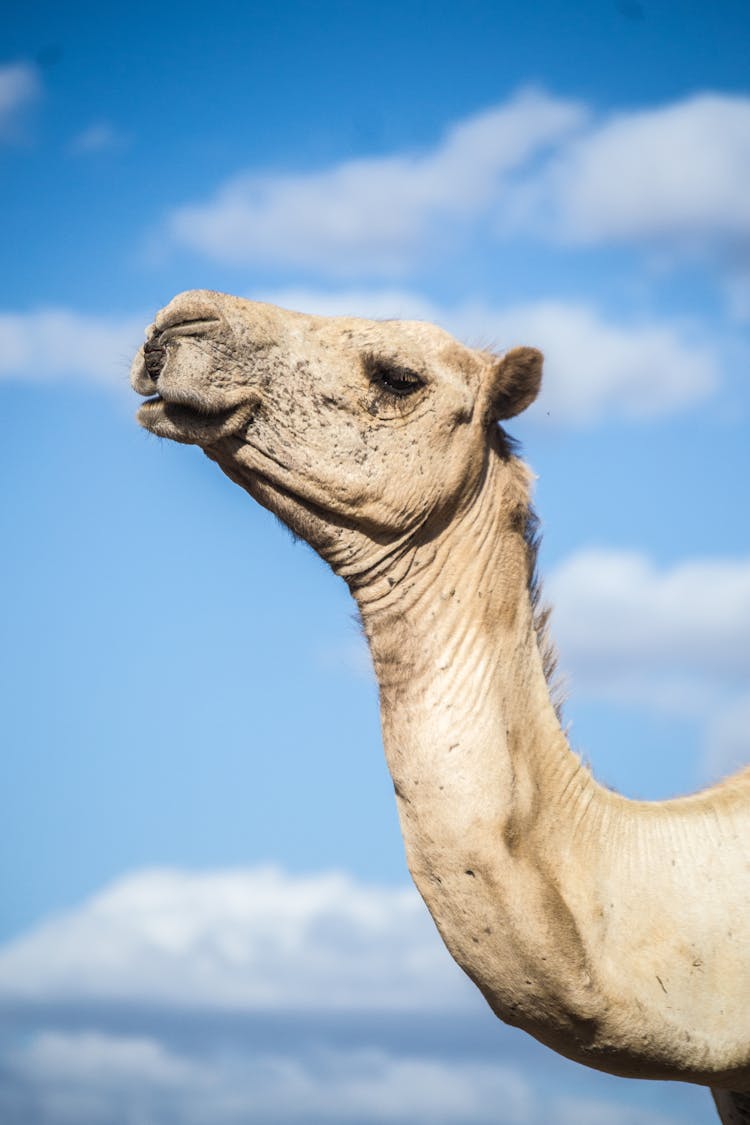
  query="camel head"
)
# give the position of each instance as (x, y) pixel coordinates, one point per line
(354, 432)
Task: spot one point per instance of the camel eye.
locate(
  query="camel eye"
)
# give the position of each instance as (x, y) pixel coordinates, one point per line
(392, 377)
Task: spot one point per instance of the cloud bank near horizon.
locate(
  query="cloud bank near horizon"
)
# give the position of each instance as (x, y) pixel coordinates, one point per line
(100, 1078)
(114, 1013)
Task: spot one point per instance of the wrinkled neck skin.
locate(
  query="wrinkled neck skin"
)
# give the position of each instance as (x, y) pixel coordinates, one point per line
(613, 931)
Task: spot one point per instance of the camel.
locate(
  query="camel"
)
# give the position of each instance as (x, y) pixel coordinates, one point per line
(617, 932)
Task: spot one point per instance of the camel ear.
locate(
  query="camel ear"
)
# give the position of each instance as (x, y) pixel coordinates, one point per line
(514, 382)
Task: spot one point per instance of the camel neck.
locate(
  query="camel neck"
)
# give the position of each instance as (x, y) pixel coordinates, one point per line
(475, 749)
(468, 723)
(534, 874)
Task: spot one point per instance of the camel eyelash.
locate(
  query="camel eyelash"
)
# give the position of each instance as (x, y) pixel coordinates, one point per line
(391, 377)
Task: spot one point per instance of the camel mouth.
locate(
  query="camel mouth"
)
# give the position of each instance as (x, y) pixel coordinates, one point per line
(191, 422)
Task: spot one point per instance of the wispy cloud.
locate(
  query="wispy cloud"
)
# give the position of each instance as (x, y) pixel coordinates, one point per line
(20, 85)
(99, 137)
(671, 177)
(376, 215)
(61, 343)
(596, 369)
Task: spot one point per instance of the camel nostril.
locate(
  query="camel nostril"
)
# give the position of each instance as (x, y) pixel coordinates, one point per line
(154, 357)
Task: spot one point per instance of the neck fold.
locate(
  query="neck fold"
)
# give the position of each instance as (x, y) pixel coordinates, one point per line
(473, 742)
(457, 656)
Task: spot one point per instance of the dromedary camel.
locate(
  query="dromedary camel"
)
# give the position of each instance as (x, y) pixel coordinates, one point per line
(615, 931)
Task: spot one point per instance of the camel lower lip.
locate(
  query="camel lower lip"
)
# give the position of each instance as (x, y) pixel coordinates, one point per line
(183, 422)
(185, 410)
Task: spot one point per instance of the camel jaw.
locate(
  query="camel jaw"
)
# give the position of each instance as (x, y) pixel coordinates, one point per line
(193, 423)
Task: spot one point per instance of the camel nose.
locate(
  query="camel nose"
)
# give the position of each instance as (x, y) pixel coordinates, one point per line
(154, 357)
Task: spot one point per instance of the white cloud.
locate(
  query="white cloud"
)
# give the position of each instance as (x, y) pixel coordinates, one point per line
(59, 343)
(595, 369)
(239, 940)
(19, 87)
(374, 215)
(675, 639)
(672, 176)
(675, 176)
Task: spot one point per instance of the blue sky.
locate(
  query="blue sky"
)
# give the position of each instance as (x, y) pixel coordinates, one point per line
(189, 722)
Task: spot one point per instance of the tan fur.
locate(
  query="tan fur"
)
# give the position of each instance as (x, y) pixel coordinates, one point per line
(617, 932)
